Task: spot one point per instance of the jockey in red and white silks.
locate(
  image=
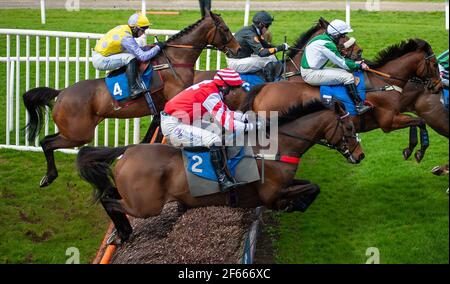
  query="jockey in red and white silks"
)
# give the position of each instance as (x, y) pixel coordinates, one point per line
(205, 97)
(182, 116)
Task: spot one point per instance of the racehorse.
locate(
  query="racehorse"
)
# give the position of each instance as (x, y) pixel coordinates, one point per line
(80, 108)
(410, 59)
(149, 175)
(295, 54)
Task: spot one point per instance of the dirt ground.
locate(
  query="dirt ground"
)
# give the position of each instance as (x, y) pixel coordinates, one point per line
(199, 236)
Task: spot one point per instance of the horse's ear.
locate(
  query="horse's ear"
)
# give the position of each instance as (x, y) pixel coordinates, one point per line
(323, 23)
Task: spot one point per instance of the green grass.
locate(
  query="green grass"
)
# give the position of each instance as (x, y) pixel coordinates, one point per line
(385, 202)
(38, 225)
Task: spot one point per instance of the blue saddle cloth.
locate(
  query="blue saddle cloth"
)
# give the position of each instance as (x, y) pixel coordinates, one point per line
(339, 92)
(199, 163)
(251, 80)
(445, 97)
(118, 83)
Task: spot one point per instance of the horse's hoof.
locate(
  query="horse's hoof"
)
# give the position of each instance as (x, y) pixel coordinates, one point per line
(406, 154)
(419, 156)
(47, 180)
(439, 170)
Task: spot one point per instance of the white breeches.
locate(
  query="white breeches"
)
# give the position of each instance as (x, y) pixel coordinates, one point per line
(112, 62)
(250, 64)
(179, 133)
(327, 76)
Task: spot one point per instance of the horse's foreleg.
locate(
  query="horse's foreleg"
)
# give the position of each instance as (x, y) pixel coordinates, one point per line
(151, 130)
(424, 143)
(400, 121)
(49, 144)
(412, 142)
(297, 197)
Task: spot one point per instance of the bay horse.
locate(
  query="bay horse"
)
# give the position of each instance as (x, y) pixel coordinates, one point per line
(147, 176)
(81, 107)
(410, 59)
(295, 54)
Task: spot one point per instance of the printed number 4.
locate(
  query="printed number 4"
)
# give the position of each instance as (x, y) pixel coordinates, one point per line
(198, 162)
(117, 90)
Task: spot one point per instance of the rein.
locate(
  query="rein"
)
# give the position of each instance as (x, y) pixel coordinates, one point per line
(288, 159)
(413, 79)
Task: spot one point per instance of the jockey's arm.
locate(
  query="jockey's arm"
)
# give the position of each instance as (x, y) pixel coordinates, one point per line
(131, 46)
(262, 50)
(331, 52)
(230, 120)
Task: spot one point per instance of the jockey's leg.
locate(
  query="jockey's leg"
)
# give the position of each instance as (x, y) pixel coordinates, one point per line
(250, 64)
(273, 69)
(179, 133)
(335, 76)
(112, 62)
(353, 94)
(134, 79)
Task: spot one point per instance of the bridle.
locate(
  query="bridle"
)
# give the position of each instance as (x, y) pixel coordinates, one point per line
(223, 38)
(342, 145)
(224, 41)
(428, 82)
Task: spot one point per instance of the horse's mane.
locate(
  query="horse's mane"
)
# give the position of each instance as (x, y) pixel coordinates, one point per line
(185, 30)
(397, 50)
(300, 110)
(303, 40)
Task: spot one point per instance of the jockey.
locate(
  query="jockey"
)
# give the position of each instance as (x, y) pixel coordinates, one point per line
(256, 53)
(323, 48)
(118, 48)
(181, 112)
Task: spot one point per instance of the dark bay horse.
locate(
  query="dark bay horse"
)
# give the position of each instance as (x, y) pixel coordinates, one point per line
(413, 58)
(295, 54)
(81, 107)
(149, 175)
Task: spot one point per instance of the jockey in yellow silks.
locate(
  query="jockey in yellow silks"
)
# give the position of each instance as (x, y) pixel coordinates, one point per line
(118, 48)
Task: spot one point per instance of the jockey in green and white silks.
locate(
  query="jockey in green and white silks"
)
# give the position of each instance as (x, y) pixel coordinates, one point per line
(443, 67)
(323, 48)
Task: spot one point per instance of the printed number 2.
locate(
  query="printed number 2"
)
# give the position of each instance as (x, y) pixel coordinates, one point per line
(117, 90)
(198, 162)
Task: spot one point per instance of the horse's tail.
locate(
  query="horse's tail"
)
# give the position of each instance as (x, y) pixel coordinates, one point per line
(94, 166)
(247, 104)
(35, 100)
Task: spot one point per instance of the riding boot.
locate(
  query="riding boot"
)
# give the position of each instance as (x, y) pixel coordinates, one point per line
(273, 71)
(134, 80)
(219, 162)
(353, 94)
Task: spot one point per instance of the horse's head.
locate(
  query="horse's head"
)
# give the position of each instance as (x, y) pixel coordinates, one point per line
(428, 69)
(349, 49)
(219, 35)
(347, 46)
(343, 136)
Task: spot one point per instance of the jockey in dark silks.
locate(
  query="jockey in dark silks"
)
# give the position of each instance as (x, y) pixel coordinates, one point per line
(256, 53)
(443, 69)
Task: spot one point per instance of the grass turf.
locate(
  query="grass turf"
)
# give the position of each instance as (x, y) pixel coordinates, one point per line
(385, 202)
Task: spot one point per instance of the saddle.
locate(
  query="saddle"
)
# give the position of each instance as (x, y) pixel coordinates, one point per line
(200, 173)
(118, 87)
(339, 92)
